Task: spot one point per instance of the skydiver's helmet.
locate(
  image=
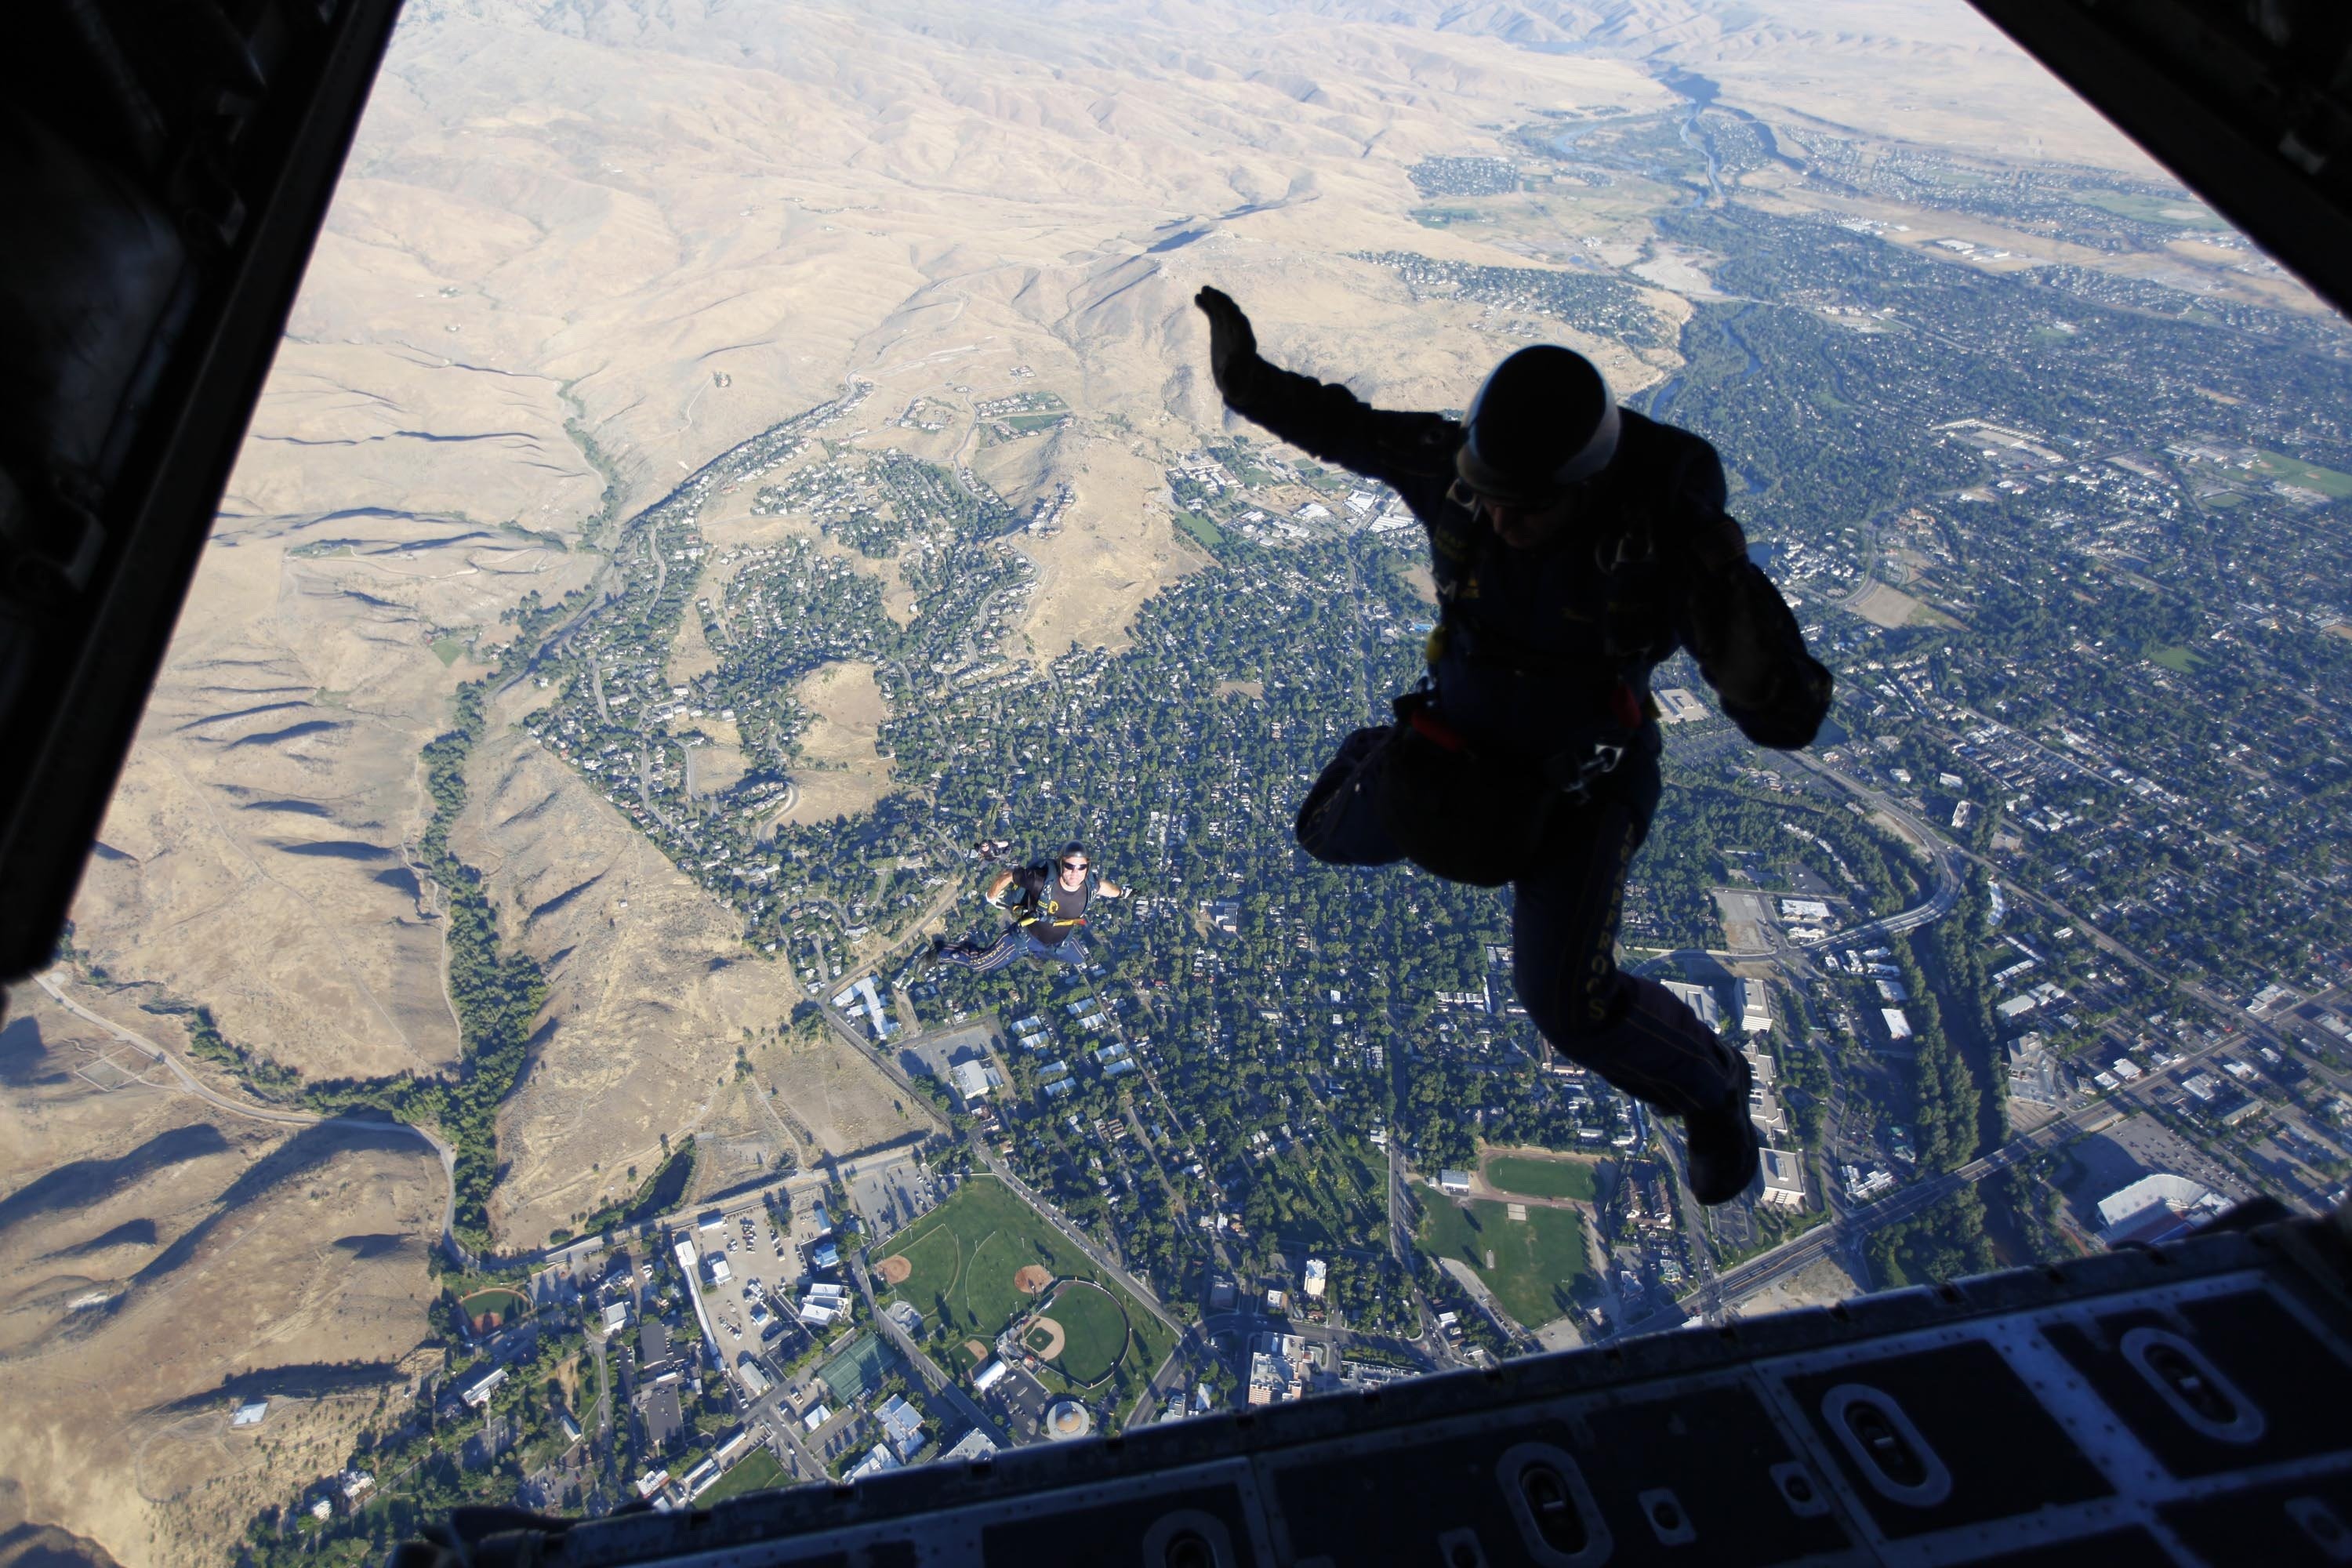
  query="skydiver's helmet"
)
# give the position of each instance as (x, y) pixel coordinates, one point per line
(1543, 422)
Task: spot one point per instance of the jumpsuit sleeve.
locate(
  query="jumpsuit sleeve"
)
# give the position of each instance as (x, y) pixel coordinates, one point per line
(1407, 452)
(1737, 626)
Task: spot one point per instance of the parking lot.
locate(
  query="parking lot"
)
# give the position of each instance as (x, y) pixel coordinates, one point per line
(755, 1305)
(932, 1056)
(891, 1193)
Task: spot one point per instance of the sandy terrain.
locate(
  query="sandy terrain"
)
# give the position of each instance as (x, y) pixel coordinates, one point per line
(837, 1094)
(840, 771)
(1820, 1284)
(255, 856)
(212, 1252)
(649, 986)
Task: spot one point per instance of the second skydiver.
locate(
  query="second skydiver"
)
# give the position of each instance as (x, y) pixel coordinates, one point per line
(1048, 901)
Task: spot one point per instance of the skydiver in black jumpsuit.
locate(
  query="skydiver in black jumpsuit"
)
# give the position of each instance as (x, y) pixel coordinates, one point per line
(1575, 545)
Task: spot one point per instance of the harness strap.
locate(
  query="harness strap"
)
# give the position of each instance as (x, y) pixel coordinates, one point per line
(1569, 773)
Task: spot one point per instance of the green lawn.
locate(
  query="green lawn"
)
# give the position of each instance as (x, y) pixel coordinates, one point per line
(1094, 1330)
(2309, 476)
(2176, 658)
(964, 1253)
(1539, 1262)
(756, 1473)
(446, 649)
(1538, 1178)
(507, 1304)
(1201, 528)
(2181, 212)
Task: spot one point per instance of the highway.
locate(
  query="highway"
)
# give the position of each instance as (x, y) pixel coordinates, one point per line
(1943, 855)
(1712, 1297)
(1748, 1278)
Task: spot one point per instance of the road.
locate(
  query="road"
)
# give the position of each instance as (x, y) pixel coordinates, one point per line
(1944, 855)
(1735, 1284)
(189, 1083)
(937, 1384)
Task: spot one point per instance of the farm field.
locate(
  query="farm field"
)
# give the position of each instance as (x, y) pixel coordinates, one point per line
(1539, 1261)
(1533, 1177)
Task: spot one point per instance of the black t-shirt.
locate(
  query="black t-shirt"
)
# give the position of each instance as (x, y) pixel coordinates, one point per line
(1051, 910)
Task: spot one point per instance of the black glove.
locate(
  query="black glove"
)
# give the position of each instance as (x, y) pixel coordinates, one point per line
(1233, 359)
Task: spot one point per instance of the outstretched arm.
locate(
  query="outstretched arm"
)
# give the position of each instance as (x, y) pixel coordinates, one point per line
(1110, 890)
(1325, 419)
(1734, 621)
(1748, 645)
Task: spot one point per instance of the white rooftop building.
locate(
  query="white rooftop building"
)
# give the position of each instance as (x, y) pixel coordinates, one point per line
(970, 1080)
(479, 1393)
(1677, 706)
(878, 1459)
(973, 1445)
(1273, 1380)
(1699, 999)
(1784, 1179)
(1315, 1277)
(2155, 1207)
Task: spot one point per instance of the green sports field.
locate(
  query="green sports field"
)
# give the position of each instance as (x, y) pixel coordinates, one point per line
(1539, 1262)
(496, 1305)
(1532, 1177)
(1094, 1329)
(964, 1253)
(756, 1471)
(858, 1369)
(961, 1258)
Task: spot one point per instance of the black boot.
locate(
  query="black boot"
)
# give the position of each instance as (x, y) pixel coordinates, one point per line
(928, 959)
(1722, 1143)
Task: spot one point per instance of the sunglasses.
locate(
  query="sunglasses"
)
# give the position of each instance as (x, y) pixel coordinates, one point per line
(1074, 865)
